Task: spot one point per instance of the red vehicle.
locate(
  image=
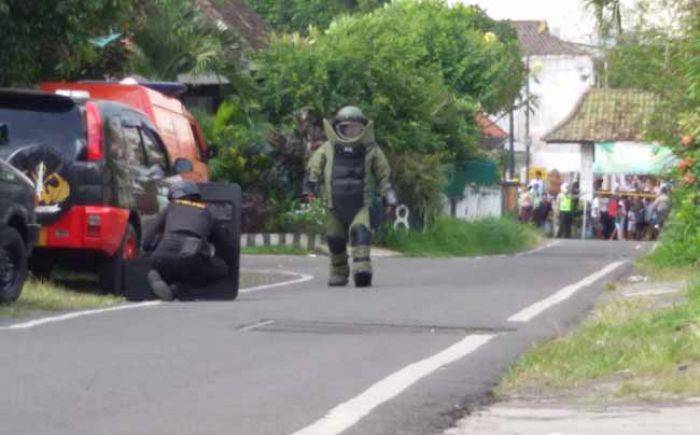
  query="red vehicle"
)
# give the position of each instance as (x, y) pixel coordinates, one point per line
(177, 127)
(101, 168)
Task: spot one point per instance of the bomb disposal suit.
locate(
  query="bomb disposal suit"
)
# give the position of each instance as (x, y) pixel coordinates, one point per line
(342, 168)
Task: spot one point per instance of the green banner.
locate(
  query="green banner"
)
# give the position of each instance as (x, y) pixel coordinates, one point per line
(632, 158)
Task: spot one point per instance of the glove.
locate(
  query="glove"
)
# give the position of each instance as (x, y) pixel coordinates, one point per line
(390, 203)
(390, 199)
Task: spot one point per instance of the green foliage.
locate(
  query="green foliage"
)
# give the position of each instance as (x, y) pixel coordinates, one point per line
(625, 339)
(299, 15)
(680, 241)
(174, 38)
(307, 218)
(50, 39)
(420, 70)
(450, 237)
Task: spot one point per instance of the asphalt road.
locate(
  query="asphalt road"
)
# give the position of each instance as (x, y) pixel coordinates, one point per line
(277, 360)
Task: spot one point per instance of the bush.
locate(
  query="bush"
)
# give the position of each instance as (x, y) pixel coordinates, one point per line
(420, 70)
(450, 237)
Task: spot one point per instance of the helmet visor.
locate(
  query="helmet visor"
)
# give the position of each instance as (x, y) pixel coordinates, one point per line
(350, 130)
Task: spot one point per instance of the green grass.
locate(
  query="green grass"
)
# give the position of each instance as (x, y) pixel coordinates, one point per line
(450, 237)
(44, 296)
(648, 353)
(275, 250)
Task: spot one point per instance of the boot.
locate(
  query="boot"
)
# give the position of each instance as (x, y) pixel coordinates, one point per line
(337, 280)
(363, 279)
(160, 287)
(340, 270)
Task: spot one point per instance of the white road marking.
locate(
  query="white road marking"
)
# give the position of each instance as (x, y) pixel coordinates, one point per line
(75, 315)
(541, 248)
(537, 308)
(301, 277)
(347, 414)
(257, 325)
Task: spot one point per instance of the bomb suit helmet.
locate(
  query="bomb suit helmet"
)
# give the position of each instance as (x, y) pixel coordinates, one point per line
(349, 123)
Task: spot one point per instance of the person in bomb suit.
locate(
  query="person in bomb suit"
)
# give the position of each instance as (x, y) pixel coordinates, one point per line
(181, 241)
(341, 170)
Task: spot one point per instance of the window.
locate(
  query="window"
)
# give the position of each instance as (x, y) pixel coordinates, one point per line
(155, 154)
(7, 175)
(134, 152)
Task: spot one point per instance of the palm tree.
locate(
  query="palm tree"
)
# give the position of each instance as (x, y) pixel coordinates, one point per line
(174, 38)
(608, 15)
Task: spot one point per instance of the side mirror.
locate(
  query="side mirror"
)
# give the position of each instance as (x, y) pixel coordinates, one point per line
(183, 166)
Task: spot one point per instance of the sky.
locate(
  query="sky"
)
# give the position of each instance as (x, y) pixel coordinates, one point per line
(566, 18)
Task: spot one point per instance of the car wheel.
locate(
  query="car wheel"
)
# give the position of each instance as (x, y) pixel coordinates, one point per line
(13, 264)
(112, 268)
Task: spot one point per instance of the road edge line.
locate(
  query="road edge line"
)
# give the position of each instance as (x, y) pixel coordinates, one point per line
(84, 313)
(532, 311)
(347, 414)
(74, 315)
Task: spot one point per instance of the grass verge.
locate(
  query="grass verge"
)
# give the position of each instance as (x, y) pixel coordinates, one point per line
(649, 354)
(274, 250)
(450, 237)
(45, 296)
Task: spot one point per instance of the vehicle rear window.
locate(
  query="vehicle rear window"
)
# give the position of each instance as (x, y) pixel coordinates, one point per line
(27, 124)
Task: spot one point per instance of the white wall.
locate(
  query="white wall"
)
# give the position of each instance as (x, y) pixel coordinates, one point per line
(479, 202)
(558, 82)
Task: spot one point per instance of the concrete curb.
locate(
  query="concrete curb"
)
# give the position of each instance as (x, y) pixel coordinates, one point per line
(311, 242)
(306, 241)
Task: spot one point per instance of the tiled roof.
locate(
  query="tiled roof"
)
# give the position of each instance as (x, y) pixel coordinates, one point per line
(535, 40)
(489, 128)
(603, 115)
(237, 15)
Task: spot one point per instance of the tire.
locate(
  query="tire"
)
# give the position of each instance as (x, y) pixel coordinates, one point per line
(112, 268)
(13, 264)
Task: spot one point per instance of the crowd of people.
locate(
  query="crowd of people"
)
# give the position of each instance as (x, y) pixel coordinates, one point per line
(632, 207)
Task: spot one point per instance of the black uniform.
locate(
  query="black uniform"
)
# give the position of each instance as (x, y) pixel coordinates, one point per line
(183, 254)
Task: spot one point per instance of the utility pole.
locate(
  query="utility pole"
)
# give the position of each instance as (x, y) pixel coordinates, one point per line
(511, 145)
(528, 140)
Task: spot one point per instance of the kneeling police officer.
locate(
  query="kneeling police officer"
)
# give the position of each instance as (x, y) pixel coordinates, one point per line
(343, 166)
(180, 240)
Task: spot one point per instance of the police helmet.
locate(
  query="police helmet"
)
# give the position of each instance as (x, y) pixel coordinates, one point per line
(184, 190)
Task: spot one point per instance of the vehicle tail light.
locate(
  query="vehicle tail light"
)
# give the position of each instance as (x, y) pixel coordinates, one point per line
(95, 132)
(94, 223)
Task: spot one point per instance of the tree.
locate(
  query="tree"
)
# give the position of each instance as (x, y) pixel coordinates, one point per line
(299, 15)
(173, 37)
(419, 69)
(608, 16)
(51, 39)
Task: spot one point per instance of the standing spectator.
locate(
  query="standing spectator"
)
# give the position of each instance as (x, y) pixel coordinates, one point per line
(595, 217)
(632, 219)
(605, 220)
(566, 212)
(661, 207)
(537, 187)
(526, 205)
(542, 211)
(621, 218)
